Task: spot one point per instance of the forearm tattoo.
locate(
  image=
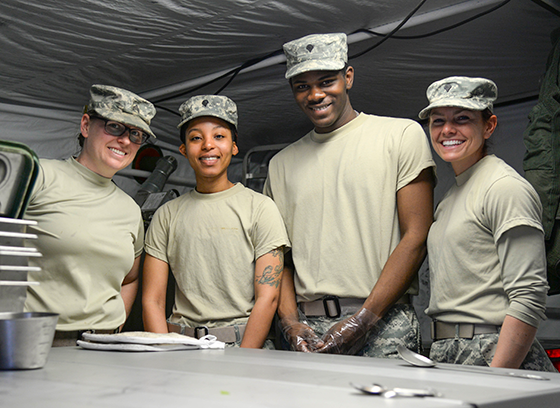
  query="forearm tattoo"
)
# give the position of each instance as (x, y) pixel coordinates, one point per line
(271, 275)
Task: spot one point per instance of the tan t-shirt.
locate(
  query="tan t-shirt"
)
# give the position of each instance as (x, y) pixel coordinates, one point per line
(90, 232)
(467, 281)
(211, 243)
(337, 194)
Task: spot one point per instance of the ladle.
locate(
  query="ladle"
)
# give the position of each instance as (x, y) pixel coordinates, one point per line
(419, 360)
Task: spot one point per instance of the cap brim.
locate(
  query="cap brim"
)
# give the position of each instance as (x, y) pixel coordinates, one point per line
(453, 103)
(314, 65)
(206, 113)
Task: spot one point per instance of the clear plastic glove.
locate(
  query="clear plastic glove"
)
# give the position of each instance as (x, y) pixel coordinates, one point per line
(300, 336)
(350, 335)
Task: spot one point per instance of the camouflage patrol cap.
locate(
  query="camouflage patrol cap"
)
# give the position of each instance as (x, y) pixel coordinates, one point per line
(461, 92)
(218, 106)
(121, 106)
(316, 52)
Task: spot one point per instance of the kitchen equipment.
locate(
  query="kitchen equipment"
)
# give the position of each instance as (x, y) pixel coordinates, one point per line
(26, 339)
(377, 389)
(19, 167)
(419, 360)
(18, 283)
(14, 258)
(14, 231)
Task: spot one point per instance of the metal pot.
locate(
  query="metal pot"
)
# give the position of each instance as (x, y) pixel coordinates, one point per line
(26, 339)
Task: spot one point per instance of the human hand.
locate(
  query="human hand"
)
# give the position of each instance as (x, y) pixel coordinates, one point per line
(300, 336)
(350, 335)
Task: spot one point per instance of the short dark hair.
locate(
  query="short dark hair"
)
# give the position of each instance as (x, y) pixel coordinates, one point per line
(486, 115)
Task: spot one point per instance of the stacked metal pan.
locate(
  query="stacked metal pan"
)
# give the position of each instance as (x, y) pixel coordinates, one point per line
(19, 167)
(25, 337)
(14, 263)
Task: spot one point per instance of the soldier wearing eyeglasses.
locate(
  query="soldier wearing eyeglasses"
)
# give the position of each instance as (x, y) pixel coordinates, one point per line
(91, 233)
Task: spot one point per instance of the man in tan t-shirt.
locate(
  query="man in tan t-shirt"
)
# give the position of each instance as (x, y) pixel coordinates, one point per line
(356, 196)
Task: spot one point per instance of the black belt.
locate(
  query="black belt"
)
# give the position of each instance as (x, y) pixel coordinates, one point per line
(77, 334)
(442, 330)
(227, 334)
(331, 306)
(68, 338)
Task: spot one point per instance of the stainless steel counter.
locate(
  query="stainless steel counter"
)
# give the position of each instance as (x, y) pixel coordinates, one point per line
(77, 378)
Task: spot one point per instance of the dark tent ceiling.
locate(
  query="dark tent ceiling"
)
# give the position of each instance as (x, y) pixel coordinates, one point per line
(169, 50)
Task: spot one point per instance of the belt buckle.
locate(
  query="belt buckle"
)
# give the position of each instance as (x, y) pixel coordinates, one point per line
(464, 330)
(331, 302)
(203, 328)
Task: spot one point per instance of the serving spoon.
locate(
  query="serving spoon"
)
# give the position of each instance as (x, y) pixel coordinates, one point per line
(377, 389)
(419, 360)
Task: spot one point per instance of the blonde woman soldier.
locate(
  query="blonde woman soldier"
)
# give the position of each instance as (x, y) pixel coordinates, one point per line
(90, 232)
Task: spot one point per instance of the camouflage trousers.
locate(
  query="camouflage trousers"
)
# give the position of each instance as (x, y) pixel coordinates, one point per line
(268, 344)
(400, 325)
(480, 351)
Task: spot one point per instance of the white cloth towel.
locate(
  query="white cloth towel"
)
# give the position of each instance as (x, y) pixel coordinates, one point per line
(147, 341)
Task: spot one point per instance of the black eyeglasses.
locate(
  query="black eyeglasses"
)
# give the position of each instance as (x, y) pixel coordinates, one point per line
(118, 129)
